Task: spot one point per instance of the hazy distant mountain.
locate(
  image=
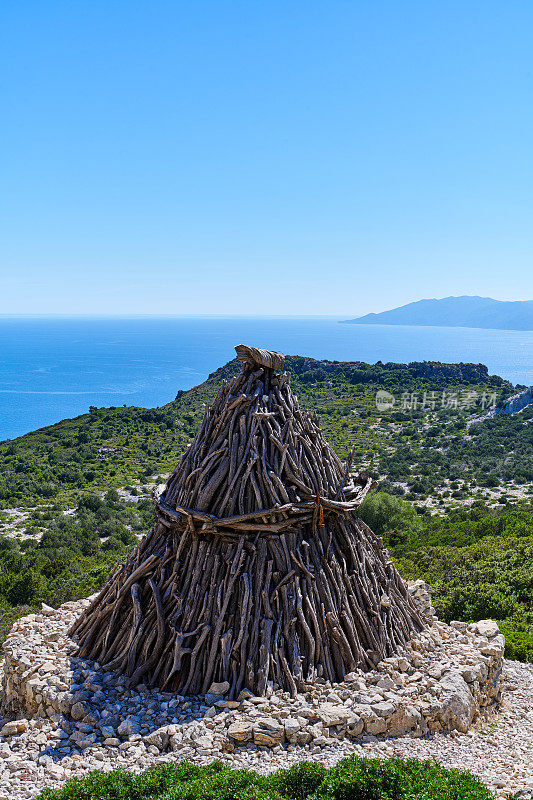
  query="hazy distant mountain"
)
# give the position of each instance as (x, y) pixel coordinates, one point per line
(454, 312)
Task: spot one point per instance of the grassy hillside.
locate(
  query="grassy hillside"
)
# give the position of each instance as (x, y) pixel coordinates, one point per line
(424, 450)
(67, 555)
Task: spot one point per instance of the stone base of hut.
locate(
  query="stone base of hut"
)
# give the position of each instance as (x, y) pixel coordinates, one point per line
(445, 678)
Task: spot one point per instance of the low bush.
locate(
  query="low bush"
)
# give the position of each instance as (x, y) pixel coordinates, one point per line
(350, 779)
(388, 514)
(518, 639)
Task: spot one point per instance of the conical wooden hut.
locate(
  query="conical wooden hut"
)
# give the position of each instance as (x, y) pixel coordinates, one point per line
(257, 570)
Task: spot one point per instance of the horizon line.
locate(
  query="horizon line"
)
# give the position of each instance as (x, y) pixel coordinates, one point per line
(96, 315)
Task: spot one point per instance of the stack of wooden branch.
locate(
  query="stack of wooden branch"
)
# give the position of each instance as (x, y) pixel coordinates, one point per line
(257, 569)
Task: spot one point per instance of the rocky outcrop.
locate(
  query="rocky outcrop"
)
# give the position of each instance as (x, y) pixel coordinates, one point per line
(457, 701)
(513, 405)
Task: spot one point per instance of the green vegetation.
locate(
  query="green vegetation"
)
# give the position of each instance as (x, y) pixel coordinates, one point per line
(390, 516)
(73, 556)
(478, 560)
(488, 454)
(422, 441)
(107, 448)
(351, 779)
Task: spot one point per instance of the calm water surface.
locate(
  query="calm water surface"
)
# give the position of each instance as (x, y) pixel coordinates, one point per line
(56, 368)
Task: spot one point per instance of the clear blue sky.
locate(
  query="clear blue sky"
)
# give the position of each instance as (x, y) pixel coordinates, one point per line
(275, 157)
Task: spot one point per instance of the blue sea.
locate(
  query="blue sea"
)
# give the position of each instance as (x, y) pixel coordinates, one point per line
(52, 368)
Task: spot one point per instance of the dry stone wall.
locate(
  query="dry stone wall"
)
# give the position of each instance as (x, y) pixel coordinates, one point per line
(444, 680)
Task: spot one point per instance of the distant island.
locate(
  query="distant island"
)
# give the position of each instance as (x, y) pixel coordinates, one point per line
(457, 312)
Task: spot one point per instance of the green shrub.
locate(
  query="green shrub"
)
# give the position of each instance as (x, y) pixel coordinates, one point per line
(397, 779)
(300, 780)
(351, 779)
(27, 589)
(221, 784)
(361, 779)
(518, 639)
(384, 512)
(478, 601)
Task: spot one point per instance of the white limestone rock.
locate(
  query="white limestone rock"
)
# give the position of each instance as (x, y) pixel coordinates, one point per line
(458, 705)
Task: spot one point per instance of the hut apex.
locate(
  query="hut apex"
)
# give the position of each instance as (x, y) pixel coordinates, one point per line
(257, 571)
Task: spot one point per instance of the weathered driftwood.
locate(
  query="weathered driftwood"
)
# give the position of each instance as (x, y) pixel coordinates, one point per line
(257, 569)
